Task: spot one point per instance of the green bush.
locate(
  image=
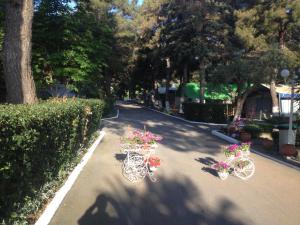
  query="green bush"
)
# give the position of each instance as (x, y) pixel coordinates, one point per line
(109, 106)
(38, 142)
(205, 112)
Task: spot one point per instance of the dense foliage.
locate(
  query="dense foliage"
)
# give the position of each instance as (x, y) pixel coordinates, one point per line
(37, 143)
(218, 41)
(104, 48)
(215, 113)
(67, 48)
(84, 45)
(72, 47)
(101, 48)
(2, 84)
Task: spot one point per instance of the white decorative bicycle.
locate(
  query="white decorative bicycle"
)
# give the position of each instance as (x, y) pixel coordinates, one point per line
(238, 162)
(243, 167)
(136, 164)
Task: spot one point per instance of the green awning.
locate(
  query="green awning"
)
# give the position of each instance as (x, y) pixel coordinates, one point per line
(192, 90)
(213, 91)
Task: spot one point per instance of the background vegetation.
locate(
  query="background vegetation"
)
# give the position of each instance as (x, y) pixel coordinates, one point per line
(116, 48)
(101, 48)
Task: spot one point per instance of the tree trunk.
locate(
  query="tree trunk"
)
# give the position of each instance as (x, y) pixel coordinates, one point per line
(188, 74)
(167, 87)
(202, 87)
(168, 79)
(185, 73)
(17, 52)
(281, 34)
(240, 102)
(184, 81)
(182, 85)
(281, 39)
(2, 87)
(239, 107)
(107, 78)
(275, 103)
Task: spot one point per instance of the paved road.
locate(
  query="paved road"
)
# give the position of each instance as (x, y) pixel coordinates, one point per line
(188, 193)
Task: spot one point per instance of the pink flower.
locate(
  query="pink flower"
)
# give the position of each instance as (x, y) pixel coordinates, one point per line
(247, 143)
(221, 166)
(158, 138)
(142, 137)
(238, 154)
(233, 147)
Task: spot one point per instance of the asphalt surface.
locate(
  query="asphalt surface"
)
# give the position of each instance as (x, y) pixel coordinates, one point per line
(188, 191)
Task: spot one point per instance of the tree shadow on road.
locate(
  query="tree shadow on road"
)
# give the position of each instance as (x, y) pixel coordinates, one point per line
(168, 202)
(177, 135)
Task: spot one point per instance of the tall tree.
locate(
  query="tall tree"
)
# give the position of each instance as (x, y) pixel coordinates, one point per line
(2, 83)
(267, 24)
(73, 46)
(194, 35)
(240, 71)
(145, 63)
(17, 52)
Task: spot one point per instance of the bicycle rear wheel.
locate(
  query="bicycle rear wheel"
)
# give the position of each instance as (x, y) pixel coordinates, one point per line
(134, 167)
(244, 168)
(135, 173)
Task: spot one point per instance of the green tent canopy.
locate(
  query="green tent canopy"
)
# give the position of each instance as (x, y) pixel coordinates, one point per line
(192, 90)
(213, 91)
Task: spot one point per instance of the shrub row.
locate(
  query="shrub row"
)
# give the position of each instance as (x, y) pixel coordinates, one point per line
(109, 105)
(253, 129)
(215, 113)
(37, 142)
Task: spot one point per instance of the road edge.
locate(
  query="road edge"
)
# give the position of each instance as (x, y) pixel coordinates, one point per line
(185, 120)
(52, 207)
(235, 141)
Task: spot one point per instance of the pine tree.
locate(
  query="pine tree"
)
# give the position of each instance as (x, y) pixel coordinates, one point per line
(19, 82)
(266, 25)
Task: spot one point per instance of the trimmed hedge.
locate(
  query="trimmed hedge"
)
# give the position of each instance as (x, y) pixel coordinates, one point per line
(37, 142)
(109, 106)
(205, 112)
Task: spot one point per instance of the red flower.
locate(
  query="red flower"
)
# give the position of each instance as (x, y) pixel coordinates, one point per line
(154, 161)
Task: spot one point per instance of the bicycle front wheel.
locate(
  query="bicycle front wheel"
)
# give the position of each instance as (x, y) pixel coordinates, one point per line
(244, 168)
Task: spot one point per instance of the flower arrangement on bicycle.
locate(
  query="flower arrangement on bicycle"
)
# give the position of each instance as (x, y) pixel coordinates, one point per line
(245, 148)
(236, 150)
(241, 164)
(232, 151)
(140, 146)
(223, 169)
(140, 140)
(237, 162)
(153, 162)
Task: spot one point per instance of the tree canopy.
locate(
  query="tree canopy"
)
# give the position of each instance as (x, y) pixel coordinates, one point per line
(101, 48)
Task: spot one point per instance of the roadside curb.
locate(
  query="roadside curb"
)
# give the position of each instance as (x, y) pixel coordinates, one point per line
(51, 208)
(224, 137)
(235, 141)
(188, 121)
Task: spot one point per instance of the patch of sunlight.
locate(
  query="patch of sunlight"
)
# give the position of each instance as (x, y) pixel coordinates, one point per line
(111, 211)
(163, 209)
